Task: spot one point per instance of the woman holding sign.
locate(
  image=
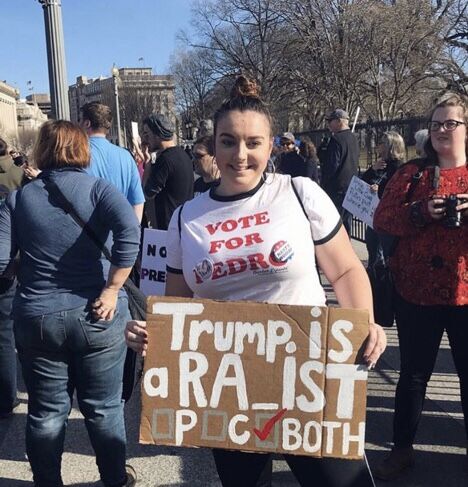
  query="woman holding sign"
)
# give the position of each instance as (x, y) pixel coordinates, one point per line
(254, 237)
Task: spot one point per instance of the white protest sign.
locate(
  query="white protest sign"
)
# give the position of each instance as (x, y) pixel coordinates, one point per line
(361, 201)
(153, 262)
(135, 135)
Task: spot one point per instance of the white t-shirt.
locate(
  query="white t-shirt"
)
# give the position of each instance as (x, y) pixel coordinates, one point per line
(257, 246)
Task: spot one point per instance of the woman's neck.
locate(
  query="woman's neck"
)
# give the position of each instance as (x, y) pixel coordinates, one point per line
(448, 161)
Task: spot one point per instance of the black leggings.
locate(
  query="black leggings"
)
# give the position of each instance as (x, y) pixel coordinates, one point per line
(420, 330)
(240, 469)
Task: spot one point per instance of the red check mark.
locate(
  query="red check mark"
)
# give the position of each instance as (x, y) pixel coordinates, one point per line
(266, 430)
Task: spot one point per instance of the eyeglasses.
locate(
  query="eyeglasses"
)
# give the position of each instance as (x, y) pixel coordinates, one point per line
(286, 144)
(449, 125)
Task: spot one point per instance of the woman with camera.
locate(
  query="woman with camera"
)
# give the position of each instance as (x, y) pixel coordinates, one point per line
(425, 206)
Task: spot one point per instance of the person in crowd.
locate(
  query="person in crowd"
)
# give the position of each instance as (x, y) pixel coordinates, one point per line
(11, 178)
(429, 267)
(341, 162)
(391, 153)
(290, 161)
(108, 161)
(69, 310)
(420, 137)
(169, 181)
(308, 152)
(205, 164)
(287, 142)
(243, 143)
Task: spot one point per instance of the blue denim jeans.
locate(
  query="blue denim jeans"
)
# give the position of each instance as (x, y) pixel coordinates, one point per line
(7, 353)
(61, 352)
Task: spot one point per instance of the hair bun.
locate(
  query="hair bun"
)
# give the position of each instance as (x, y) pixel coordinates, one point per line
(245, 87)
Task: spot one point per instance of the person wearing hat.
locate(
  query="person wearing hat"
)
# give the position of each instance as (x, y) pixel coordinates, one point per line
(290, 161)
(340, 162)
(170, 180)
(288, 142)
(108, 161)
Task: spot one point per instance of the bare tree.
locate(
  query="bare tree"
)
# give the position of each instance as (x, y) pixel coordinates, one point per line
(193, 79)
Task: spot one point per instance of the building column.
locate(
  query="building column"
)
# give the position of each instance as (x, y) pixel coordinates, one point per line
(58, 82)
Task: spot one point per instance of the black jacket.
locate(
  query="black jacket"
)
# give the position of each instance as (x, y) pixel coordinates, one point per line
(341, 162)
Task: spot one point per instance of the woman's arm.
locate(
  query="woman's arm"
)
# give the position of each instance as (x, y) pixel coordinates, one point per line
(104, 306)
(393, 214)
(348, 277)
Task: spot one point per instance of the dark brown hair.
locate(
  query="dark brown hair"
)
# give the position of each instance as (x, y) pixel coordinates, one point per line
(99, 115)
(307, 149)
(450, 100)
(3, 147)
(60, 144)
(207, 141)
(245, 96)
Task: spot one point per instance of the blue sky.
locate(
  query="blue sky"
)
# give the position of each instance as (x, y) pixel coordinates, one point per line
(98, 33)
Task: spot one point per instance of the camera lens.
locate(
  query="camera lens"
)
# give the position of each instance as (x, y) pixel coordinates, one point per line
(452, 216)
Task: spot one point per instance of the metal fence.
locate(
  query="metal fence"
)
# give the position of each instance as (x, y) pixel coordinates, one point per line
(358, 230)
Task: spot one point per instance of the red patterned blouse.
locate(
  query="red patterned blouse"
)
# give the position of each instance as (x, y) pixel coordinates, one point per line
(430, 262)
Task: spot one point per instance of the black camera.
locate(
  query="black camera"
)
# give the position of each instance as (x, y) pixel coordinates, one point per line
(452, 218)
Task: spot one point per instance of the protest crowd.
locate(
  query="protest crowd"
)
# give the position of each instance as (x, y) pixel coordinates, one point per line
(71, 227)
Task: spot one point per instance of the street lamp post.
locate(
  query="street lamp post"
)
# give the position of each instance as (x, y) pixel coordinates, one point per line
(56, 58)
(115, 75)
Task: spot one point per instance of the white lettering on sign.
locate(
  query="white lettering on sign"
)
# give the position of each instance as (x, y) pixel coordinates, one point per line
(244, 437)
(192, 377)
(162, 389)
(347, 374)
(178, 311)
(181, 426)
(237, 380)
(337, 330)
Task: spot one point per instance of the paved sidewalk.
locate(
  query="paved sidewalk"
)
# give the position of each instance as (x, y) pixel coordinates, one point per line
(440, 444)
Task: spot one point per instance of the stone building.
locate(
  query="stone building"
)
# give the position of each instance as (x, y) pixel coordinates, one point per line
(30, 116)
(8, 114)
(139, 91)
(42, 100)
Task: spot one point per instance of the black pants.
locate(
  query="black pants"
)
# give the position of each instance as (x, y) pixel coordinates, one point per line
(240, 469)
(420, 330)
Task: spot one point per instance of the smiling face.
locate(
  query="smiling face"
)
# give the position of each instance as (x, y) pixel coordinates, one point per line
(445, 142)
(243, 145)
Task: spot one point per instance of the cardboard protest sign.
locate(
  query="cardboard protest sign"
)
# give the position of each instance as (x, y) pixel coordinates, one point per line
(153, 262)
(255, 377)
(360, 201)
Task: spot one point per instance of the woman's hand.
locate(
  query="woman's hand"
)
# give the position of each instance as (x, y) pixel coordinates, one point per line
(104, 306)
(436, 208)
(30, 172)
(374, 188)
(376, 344)
(136, 336)
(463, 207)
(379, 165)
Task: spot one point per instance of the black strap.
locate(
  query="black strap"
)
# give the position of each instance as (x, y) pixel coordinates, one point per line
(299, 199)
(56, 193)
(179, 220)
